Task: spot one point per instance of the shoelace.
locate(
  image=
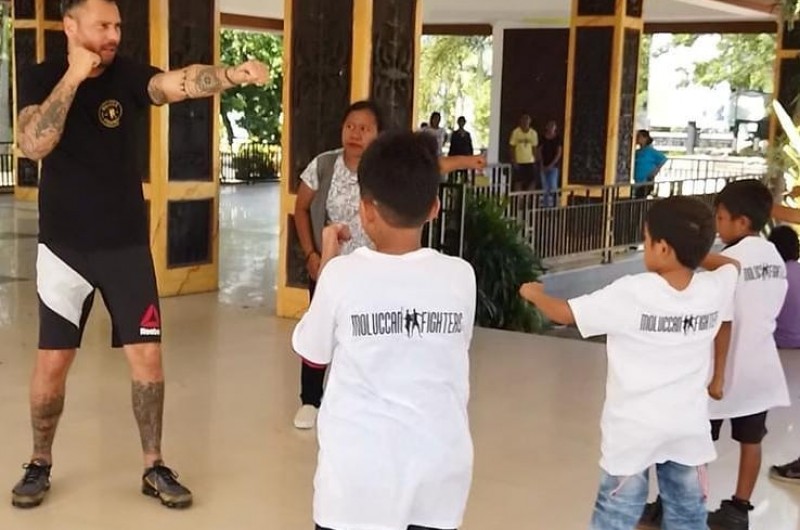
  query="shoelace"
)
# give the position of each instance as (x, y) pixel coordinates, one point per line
(167, 475)
(33, 473)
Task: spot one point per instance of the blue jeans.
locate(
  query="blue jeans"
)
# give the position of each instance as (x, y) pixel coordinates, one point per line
(621, 500)
(550, 185)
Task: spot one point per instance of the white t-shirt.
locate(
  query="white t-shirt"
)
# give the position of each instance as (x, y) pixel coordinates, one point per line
(440, 134)
(754, 378)
(395, 446)
(660, 344)
(343, 201)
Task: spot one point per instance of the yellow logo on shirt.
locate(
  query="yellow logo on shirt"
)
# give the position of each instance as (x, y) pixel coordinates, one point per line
(111, 113)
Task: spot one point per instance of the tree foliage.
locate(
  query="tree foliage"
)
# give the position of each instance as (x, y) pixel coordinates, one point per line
(260, 107)
(745, 61)
(454, 73)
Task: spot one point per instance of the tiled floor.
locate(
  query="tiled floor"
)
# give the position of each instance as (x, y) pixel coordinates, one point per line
(232, 393)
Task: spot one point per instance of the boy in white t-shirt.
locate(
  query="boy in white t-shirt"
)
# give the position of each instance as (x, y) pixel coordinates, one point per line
(755, 381)
(661, 326)
(395, 323)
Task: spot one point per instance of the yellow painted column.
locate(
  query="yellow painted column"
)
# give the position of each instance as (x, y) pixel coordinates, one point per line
(604, 49)
(344, 55)
(38, 33)
(787, 74)
(184, 205)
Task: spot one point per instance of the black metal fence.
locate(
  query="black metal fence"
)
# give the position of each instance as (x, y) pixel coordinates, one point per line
(6, 167)
(251, 163)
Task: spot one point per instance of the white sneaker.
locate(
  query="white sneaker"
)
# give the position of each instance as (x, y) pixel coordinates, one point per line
(306, 417)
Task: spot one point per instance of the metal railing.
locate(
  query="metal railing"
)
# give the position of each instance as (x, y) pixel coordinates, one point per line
(251, 163)
(602, 220)
(6, 167)
(590, 221)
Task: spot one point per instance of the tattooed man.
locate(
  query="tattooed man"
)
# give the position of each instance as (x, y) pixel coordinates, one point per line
(82, 115)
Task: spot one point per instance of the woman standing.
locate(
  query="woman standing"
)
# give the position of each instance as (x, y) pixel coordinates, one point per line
(648, 163)
(329, 193)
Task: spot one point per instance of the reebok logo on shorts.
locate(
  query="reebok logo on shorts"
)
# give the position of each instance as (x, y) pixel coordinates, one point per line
(151, 323)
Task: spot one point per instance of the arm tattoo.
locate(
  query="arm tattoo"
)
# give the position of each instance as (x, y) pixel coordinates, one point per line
(202, 81)
(156, 91)
(148, 407)
(45, 413)
(41, 127)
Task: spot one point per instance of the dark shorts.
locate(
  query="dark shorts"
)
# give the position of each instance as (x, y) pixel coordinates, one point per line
(524, 177)
(66, 283)
(745, 430)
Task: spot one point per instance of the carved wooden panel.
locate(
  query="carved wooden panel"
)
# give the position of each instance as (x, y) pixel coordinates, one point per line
(55, 44)
(596, 7)
(52, 10)
(627, 114)
(191, 124)
(320, 82)
(135, 29)
(533, 83)
(189, 232)
(591, 90)
(791, 38)
(296, 272)
(24, 9)
(393, 52)
(789, 85)
(635, 8)
(24, 51)
(27, 173)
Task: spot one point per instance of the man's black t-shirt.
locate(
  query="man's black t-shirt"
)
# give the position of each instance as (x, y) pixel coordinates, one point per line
(549, 147)
(90, 195)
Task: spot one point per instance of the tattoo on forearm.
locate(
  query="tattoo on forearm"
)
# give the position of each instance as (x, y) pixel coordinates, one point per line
(41, 127)
(202, 81)
(156, 91)
(45, 413)
(148, 407)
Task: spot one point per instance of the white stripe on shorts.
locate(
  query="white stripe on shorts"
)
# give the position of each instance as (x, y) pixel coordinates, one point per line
(60, 287)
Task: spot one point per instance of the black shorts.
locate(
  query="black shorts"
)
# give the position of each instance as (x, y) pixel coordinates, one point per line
(66, 283)
(745, 430)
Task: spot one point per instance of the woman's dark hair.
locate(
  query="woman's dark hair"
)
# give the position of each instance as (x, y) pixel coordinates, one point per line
(369, 106)
(648, 140)
(436, 114)
(785, 240)
(686, 224)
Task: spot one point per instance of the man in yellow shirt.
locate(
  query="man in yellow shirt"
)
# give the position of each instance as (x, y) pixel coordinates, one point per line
(524, 142)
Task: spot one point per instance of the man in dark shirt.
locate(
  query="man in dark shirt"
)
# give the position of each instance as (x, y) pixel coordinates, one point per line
(78, 115)
(550, 153)
(461, 140)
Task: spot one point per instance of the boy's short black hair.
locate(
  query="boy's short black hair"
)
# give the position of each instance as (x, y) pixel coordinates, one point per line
(785, 240)
(369, 106)
(685, 224)
(399, 171)
(748, 198)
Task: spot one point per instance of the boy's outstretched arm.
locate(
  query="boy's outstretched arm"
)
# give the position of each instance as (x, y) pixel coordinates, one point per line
(448, 164)
(555, 309)
(722, 343)
(715, 261)
(786, 214)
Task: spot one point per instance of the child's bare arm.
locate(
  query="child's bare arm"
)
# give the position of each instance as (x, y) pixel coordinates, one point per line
(786, 214)
(448, 164)
(722, 343)
(555, 309)
(716, 261)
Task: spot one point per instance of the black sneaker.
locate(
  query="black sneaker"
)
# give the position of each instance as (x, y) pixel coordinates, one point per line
(31, 490)
(652, 516)
(787, 472)
(162, 483)
(732, 515)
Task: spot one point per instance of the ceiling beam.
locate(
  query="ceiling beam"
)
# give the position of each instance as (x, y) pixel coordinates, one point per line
(250, 23)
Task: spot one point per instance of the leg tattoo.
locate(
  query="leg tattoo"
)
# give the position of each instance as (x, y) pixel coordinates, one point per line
(148, 407)
(45, 413)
